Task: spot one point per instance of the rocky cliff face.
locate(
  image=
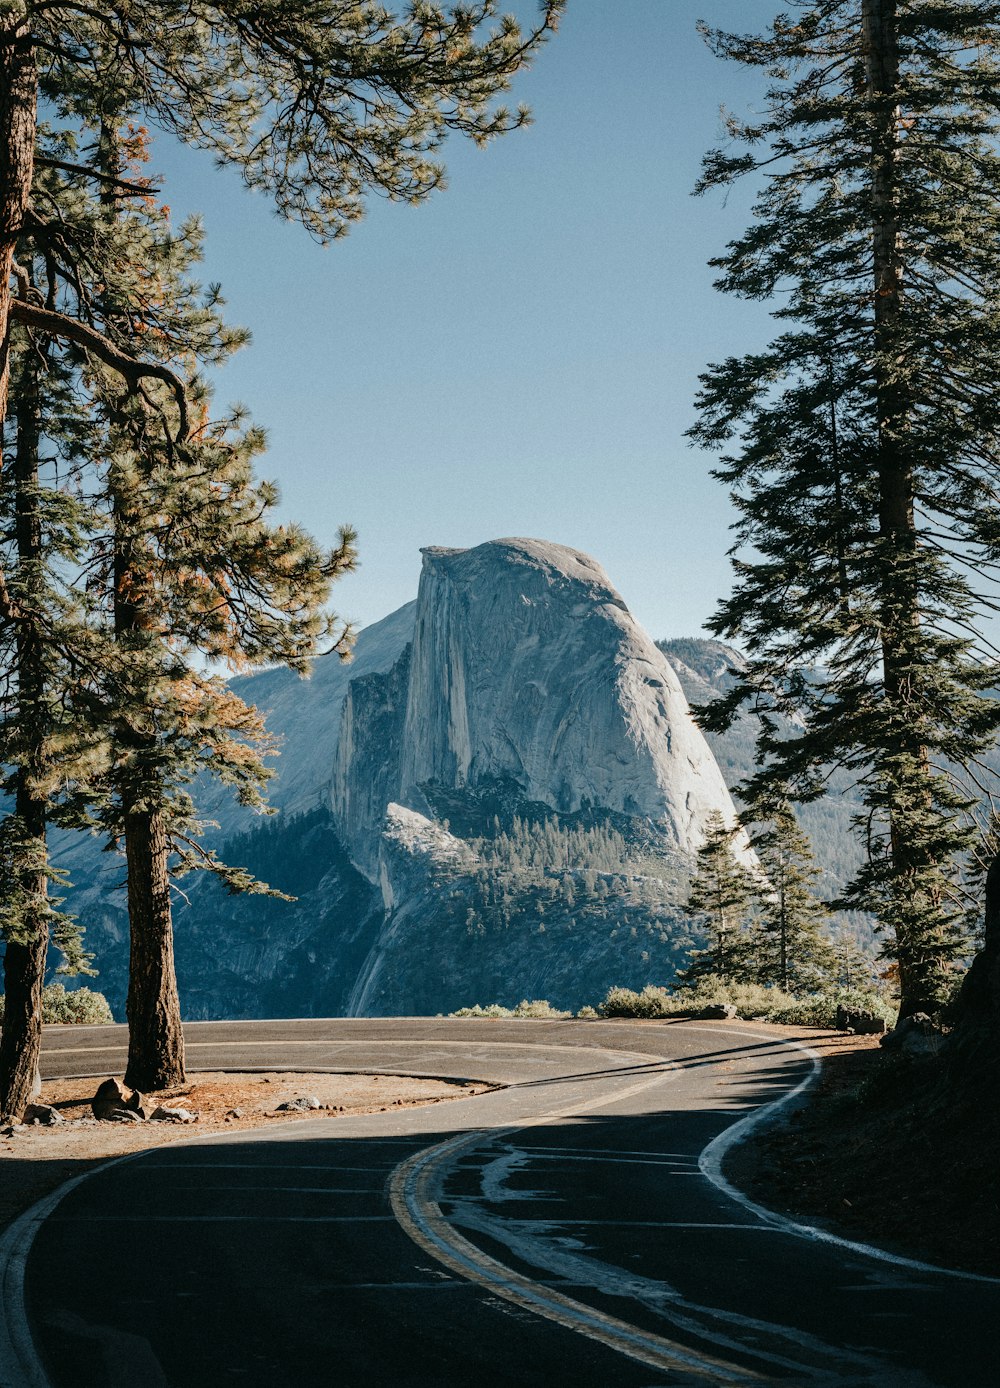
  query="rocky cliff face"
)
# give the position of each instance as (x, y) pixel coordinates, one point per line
(526, 670)
(516, 692)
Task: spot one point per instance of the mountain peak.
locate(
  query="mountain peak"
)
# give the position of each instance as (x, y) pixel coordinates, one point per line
(527, 670)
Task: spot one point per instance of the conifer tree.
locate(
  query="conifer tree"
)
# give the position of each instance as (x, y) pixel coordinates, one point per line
(316, 103)
(185, 562)
(721, 891)
(319, 105)
(42, 748)
(796, 955)
(852, 966)
(865, 440)
(193, 567)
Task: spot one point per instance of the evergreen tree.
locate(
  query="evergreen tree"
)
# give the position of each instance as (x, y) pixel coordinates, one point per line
(852, 966)
(184, 562)
(193, 567)
(796, 955)
(42, 747)
(865, 439)
(722, 891)
(316, 103)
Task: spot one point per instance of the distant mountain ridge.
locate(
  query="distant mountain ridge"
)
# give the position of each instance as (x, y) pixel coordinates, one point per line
(705, 670)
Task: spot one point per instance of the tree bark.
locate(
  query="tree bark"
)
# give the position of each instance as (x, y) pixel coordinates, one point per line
(900, 606)
(155, 1035)
(155, 1038)
(18, 116)
(25, 953)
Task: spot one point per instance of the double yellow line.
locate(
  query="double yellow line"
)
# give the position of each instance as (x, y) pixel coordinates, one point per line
(413, 1188)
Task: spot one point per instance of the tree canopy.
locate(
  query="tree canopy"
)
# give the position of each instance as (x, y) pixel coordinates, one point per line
(862, 446)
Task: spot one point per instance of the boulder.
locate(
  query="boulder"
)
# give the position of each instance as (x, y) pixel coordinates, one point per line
(718, 1012)
(859, 1021)
(112, 1101)
(916, 1035)
(44, 1114)
(300, 1105)
(172, 1115)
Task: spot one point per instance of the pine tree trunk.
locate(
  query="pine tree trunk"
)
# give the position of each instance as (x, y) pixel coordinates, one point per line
(18, 113)
(909, 773)
(156, 1041)
(25, 954)
(18, 109)
(24, 976)
(155, 1038)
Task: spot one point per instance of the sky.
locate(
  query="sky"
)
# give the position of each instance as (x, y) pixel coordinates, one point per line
(519, 355)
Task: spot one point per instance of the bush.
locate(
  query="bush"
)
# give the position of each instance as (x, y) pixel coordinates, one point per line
(536, 1008)
(820, 1010)
(753, 1002)
(651, 1002)
(81, 1007)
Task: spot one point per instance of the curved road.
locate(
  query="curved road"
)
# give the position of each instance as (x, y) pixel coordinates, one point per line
(568, 1228)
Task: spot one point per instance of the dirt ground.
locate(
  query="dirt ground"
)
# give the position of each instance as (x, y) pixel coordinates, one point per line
(36, 1159)
(881, 1153)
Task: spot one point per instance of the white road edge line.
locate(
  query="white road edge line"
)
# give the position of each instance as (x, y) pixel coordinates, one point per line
(712, 1157)
(20, 1365)
(412, 1194)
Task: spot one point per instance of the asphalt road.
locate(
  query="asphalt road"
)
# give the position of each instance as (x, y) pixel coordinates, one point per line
(565, 1229)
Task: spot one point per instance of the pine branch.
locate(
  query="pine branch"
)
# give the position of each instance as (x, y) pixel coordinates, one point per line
(133, 370)
(109, 180)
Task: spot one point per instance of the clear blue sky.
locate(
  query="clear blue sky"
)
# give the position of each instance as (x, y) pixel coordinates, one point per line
(519, 355)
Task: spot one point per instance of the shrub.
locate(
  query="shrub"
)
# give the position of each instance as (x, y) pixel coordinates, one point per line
(753, 1002)
(492, 1009)
(651, 1002)
(81, 1007)
(536, 1008)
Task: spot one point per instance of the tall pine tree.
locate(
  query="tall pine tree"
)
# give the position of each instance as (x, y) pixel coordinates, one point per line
(193, 568)
(45, 647)
(865, 440)
(319, 105)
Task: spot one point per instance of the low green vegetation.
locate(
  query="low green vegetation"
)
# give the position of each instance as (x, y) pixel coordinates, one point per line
(79, 1007)
(753, 1002)
(537, 1008)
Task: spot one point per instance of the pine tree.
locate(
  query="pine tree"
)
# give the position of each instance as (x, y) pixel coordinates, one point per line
(722, 891)
(851, 966)
(193, 567)
(318, 104)
(796, 954)
(183, 560)
(42, 748)
(866, 438)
